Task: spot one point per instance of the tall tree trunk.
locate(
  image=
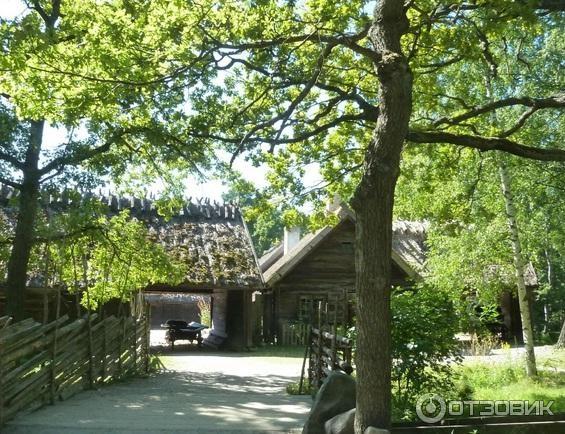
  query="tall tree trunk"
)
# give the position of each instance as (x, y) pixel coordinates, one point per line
(25, 226)
(519, 265)
(550, 283)
(373, 203)
(561, 340)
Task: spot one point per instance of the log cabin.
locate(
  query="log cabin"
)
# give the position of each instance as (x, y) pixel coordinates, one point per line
(317, 271)
(214, 241)
(302, 274)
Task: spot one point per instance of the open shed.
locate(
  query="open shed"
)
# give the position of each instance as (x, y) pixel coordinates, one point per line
(213, 240)
(210, 238)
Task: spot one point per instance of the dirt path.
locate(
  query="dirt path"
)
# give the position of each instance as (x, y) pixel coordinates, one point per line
(203, 393)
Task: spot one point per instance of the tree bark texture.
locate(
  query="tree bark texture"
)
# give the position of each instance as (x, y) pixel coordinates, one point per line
(519, 265)
(25, 225)
(373, 203)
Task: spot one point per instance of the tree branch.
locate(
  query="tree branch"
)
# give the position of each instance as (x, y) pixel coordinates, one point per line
(83, 154)
(554, 101)
(60, 236)
(525, 116)
(349, 41)
(12, 184)
(282, 141)
(12, 160)
(285, 115)
(487, 144)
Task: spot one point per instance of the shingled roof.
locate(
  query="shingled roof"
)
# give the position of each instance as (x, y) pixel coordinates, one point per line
(211, 238)
(408, 249)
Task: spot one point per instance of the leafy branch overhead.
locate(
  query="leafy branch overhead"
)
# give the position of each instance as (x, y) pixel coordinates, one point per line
(302, 80)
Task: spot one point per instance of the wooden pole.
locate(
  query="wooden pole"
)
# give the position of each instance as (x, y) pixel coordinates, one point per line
(104, 349)
(54, 350)
(121, 348)
(77, 302)
(335, 363)
(88, 324)
(135, 343)
(301, 384)
(147, 336)
(319, 349)
(46, 280)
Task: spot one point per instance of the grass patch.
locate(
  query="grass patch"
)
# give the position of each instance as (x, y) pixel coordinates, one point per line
(277, 351)
(508, 381)
(294, 388)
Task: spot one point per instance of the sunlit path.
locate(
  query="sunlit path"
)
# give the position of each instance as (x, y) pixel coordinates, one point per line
(204, 393)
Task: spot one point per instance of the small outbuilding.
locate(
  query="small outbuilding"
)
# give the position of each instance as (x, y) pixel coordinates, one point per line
(211, 239)
(222, 270)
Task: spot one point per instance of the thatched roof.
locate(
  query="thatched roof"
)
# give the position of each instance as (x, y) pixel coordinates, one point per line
(408, 249)
(507, 277)
(211, 238)
(408, 246)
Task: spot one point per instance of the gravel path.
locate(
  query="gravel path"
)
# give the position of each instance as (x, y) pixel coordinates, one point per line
(510, 355)
(202, 393)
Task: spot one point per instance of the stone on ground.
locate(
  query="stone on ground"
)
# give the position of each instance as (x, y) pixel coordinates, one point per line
(336, 396)
(342, 423)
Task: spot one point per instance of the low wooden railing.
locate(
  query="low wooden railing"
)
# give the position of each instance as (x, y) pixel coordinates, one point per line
(43, 363)
(328, 352)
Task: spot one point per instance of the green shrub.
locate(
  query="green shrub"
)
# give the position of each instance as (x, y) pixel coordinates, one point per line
(293, 388)
(424, 347)
(424, 323)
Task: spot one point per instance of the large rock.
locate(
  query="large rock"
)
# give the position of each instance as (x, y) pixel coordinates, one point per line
(341, 424)
(336, 396)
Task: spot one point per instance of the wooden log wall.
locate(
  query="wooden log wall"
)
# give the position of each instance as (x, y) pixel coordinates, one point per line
(44, 363)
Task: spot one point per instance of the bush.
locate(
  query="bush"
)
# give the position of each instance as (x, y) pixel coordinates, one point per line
(293, 388)
(424, 347)
(424, 323)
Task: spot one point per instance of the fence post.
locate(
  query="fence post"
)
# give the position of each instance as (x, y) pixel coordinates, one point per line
(320, 346)
(54, 349)
(147, 336)
(303, 366)
(104, 350)
(90, 351)
(334, 340)
(121, 348)
(135, 345)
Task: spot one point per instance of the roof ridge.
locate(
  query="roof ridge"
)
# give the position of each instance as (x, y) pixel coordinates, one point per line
(62, 199)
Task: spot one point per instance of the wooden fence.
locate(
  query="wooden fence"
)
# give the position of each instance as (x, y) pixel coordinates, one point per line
(43, 363)
(294, 334)
(328, 352)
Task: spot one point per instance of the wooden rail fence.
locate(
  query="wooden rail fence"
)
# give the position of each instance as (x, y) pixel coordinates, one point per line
(43, 363)
(328, 352)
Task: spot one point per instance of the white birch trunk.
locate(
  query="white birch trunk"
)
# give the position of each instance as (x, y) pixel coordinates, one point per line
(519, 266)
